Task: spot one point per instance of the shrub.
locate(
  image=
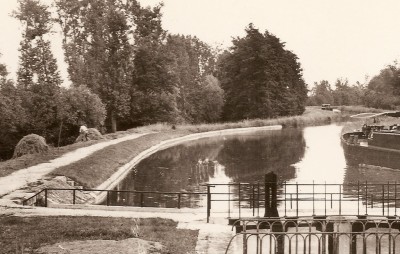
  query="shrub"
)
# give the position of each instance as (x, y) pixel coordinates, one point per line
(30, 144)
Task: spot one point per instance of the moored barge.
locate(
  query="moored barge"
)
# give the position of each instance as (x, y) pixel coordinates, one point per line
(375, 145)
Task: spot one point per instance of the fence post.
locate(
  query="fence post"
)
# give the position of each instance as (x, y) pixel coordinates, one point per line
(208, 203)
(325, 198)
(45, 197)
(239, 202)
(313, 200)
(388, 198)
(253, 199)
(285, 197)
(258, 198)
(271, 204)
(340, 199)
(108, 198)
(366, 198)
(395, 198)
(229, 200)
(383, 200)
(358, 198)
(297, 199)
(179, 200)
(73, 197)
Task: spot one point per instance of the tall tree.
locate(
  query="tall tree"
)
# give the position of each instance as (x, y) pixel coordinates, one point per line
(97, 44)
(260, 78)
(153, 85)
(38, 76)
(193, 61)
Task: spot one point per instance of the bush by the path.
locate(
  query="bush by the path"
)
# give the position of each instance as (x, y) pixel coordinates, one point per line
(30, 144)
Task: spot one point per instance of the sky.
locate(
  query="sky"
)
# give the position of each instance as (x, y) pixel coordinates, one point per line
(351, 39)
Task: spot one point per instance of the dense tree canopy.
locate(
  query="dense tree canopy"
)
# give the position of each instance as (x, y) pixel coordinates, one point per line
(127, 71)
(260, 78)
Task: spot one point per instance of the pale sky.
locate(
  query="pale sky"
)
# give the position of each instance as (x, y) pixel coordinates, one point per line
(332, 38)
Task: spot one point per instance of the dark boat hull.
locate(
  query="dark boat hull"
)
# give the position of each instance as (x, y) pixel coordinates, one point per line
(356, 154)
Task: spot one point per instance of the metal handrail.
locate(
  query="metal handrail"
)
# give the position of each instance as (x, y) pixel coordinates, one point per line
(74, 190)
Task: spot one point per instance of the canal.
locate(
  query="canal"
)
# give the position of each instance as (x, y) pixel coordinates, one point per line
(297, 155)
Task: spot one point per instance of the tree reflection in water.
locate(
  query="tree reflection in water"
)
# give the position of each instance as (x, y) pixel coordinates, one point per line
(231, 158)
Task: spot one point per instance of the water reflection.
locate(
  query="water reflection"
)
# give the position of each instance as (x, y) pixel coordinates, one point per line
(223, 159)
(312, 154)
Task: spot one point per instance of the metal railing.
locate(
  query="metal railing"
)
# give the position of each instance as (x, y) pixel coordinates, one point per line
(316, 235)
(237, 200)
(42, 197)
(296, 199)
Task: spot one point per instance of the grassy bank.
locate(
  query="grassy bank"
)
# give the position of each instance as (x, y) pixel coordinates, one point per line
(98, 167)
(30, 233)
(9, 166)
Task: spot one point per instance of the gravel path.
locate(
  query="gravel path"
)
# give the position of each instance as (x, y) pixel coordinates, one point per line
(22, 177)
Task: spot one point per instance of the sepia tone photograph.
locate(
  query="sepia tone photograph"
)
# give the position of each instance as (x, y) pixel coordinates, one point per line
(199, 126)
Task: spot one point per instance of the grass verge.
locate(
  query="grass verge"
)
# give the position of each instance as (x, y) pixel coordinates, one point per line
(99, 166)
(31, 233)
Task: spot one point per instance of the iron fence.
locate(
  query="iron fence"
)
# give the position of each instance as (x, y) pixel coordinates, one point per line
(316, 235)
(238, 200)
(297, 199)
(111, 197)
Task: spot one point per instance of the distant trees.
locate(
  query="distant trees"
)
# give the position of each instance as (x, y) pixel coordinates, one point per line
(321, 93)
(382, 91)
(260, 78)
(342, 94)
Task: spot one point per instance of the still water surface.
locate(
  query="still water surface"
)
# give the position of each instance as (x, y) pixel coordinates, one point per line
(303, 155)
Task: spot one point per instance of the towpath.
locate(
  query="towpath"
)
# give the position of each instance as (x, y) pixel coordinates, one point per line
(22, 177)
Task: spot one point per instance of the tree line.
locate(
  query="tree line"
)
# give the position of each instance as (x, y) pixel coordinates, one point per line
(382, 91)
(127, 71)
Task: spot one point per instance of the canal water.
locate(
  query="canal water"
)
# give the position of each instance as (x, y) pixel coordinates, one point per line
(297, 155)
